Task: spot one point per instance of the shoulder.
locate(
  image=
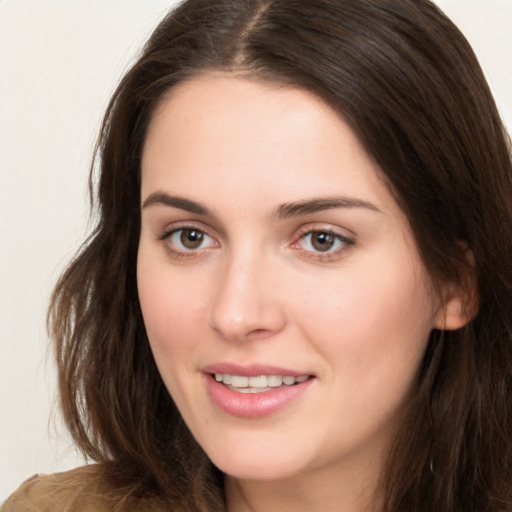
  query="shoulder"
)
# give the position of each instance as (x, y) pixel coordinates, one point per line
(84, 489)
(76, 490)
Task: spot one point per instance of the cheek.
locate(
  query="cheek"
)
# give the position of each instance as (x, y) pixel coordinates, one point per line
(171, 308)
(172, 312)
(371, 321)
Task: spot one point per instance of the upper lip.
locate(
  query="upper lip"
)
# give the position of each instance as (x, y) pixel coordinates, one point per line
(251, 370)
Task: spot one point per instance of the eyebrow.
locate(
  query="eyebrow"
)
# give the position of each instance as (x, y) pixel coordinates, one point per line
(163, 199)
(298, 208)
(284, 211)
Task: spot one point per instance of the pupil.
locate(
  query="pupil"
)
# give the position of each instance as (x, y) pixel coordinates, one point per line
(191, 238)
(323, 241)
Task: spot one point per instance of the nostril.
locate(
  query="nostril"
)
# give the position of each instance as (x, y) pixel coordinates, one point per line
(259, 333)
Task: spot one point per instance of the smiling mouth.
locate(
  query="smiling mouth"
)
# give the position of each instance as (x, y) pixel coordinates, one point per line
(257, 384)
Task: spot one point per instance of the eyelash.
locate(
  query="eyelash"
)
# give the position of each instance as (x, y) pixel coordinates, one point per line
(325, 256)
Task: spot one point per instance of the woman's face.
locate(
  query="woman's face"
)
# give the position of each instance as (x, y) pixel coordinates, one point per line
(284, 299)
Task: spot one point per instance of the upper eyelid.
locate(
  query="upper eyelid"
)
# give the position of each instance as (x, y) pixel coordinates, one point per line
(176, 226)
(167, 224)
(336, 234)
(315, 227)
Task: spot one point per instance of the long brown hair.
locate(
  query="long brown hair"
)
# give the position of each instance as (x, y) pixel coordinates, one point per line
(411, 88)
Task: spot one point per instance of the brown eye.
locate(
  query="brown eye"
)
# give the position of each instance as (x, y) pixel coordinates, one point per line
(327, 243)
(187, 242)
(191, 238)
(322, 241)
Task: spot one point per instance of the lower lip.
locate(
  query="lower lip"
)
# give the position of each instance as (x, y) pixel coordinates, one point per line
(253, 405)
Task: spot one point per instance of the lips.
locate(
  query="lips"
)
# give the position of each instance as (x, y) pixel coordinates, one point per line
(254, 391)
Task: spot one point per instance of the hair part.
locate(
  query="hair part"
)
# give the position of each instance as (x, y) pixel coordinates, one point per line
(409, 85)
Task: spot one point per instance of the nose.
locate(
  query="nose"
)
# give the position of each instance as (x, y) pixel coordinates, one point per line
(246, 305)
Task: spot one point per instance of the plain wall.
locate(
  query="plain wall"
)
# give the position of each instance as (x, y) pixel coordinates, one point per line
(59, 62)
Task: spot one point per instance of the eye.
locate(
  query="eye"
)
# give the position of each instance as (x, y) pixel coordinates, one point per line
(320, 241)
(323, 242)
(187, 240)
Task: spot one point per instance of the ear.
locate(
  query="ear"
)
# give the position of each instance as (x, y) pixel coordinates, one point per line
(459, 301)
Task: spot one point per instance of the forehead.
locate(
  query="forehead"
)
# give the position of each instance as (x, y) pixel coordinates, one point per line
(211, 102)
(248, 137)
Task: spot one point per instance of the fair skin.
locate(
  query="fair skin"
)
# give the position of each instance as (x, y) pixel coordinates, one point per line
(270, 245)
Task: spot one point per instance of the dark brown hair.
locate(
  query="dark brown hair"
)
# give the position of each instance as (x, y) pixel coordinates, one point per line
(409, 85)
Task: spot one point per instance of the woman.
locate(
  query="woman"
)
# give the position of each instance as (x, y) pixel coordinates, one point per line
(297, 295)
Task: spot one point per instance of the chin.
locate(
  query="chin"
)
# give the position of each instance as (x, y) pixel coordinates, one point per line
(257, 472)
(260, 463)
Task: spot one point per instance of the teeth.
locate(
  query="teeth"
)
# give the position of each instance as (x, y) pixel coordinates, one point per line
(274, 381)
(253, 384)
(257, 382)
(239, 382)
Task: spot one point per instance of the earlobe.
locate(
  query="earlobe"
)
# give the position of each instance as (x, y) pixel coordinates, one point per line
(460, 303)
(456, 313)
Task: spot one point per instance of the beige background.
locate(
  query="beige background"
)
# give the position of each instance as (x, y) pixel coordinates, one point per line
(59, 62)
